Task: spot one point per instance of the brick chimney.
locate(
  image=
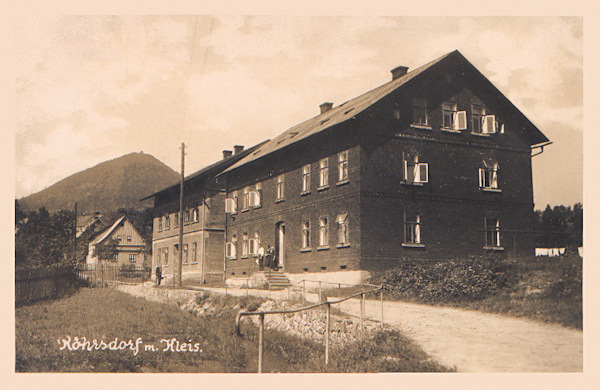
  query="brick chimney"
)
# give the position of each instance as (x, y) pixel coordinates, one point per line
(326, 107)
(227, 153)
(399, 71)
(238, 149)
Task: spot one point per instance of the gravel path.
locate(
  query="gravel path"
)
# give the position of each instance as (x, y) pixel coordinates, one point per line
(469, 340)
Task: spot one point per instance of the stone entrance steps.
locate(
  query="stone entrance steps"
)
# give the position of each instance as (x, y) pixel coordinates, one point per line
(276, 280)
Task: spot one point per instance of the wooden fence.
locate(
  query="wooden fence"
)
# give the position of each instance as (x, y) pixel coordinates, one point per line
(110, 274)
(41, 283)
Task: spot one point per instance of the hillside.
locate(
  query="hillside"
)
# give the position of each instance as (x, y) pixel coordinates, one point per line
(116, 183)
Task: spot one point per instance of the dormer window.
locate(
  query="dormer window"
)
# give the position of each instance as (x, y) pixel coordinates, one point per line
(420, 116)
(477, 116)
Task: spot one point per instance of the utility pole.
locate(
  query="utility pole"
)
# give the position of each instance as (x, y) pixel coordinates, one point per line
(178, 276)
(74, 250)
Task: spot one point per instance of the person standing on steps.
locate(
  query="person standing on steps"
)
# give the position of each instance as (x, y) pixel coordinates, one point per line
(270, 256)
(273, 259)
(261, 257)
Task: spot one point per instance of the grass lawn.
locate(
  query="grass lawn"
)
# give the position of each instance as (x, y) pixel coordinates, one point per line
(106, 314)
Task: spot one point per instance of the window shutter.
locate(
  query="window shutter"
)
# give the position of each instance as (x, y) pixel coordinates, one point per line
(405, 160)
(252, 196)
(494, 183)
(481, 177)
(418, 230)
(489, 124)
(460, 120)
(422, 173)
(501, 130)
(229, 205)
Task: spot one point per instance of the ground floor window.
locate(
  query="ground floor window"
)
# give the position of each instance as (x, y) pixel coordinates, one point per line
(185, 253)
(194, 252)
(132, 258)
(306, 234)
(166, 252)
(323, 231)
(492, 232)
(412, 228)
(342, 225)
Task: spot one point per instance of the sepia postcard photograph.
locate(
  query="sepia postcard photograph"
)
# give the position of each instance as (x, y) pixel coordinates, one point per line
(257, 193)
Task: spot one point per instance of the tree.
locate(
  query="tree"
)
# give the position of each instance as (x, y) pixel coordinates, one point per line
(108, 251)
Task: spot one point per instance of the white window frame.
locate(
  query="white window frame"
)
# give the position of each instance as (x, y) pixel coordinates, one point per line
(132, 258)
(176, 219)
(159, 225)
(305, 234)
(245, 245)
(343, 229)
(489, 124)
(412, 228)
(415, 172)
(230, 250)
(306, 178)
(166, 252)
(492, 233)
(129, 239)
(488, 177)
(323, 231)
(420, 114)
(280, 187)
(324, 172)
(246, 198)
(195, 215)
(477, 118)
(343, 166)
(450, 108)
(167, 222)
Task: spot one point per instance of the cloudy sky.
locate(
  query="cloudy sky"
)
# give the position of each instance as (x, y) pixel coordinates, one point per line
(93, 88)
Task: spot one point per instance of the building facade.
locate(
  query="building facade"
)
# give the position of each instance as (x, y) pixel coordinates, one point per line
(203, 220)
(435, 164)
(130, 244)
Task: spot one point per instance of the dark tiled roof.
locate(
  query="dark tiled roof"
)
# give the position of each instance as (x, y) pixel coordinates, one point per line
(355, 106)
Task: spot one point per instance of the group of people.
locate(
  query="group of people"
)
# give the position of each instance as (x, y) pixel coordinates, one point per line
(267, 259)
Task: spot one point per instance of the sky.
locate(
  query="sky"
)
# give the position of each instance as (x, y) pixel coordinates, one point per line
(94, 88)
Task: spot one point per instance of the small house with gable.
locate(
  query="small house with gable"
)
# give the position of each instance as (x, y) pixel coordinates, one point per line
(130, 244)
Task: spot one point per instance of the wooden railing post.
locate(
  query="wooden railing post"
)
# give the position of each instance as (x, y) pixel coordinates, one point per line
(261, 330)
(381, 293)
(362, 316)
(327, 331)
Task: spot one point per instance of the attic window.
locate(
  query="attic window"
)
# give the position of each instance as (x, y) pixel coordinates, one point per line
(293, 134)
(348, 111)
(280, 141)
(324, 120)
(257, 152)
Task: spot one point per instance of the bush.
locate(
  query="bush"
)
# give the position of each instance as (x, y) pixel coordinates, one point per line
(449, 281)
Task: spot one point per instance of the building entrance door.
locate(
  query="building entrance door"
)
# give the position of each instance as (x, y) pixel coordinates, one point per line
(280, 245)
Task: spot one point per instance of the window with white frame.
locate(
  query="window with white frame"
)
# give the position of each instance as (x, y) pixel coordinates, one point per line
(306, 178)
(415, 172)
(492, 232)
(231, 248)
(186, 216)
(194, 252)
(246, 198)
(119, 238)
(453, 119)
(324, 172)
(342, 229)
(245, 244)
(167, 222)
(195, 213)
(254, 243)
(420, 115)
(166, 252)
(280, 187)
(343, 166)
(488, 176)
(306, 234)
(256, 195)
(477, 115)
(323, 231)
(159, 226)
(176, 219)
(412, 228)
(132, 258)
(129, 238)
(185, 253)
(231, 203)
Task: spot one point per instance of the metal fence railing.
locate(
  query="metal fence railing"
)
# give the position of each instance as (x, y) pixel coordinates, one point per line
(327, 304)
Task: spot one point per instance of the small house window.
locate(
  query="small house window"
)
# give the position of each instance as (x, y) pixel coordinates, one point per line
(160, 224)
(231, 203)
(306, 234)
(195, 213)
(343, 166)
(342, 225)
(488, 176)
(306, 178)
(414, 171)
(420, 116)
(245, 244)
(129, 238)
(246, 198)
(477, 115)
(280, 187)
(176, 219)
(167, 222)
(323, 231)
(194, 252)
(119, 238)
(166, 251)
(412, 228)
(492, 232)
(256, 195)
(324, 172)
(185, 253)
(186, 216)
(132, 258)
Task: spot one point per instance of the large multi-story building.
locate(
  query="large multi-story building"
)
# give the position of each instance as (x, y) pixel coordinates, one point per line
(435, 164)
